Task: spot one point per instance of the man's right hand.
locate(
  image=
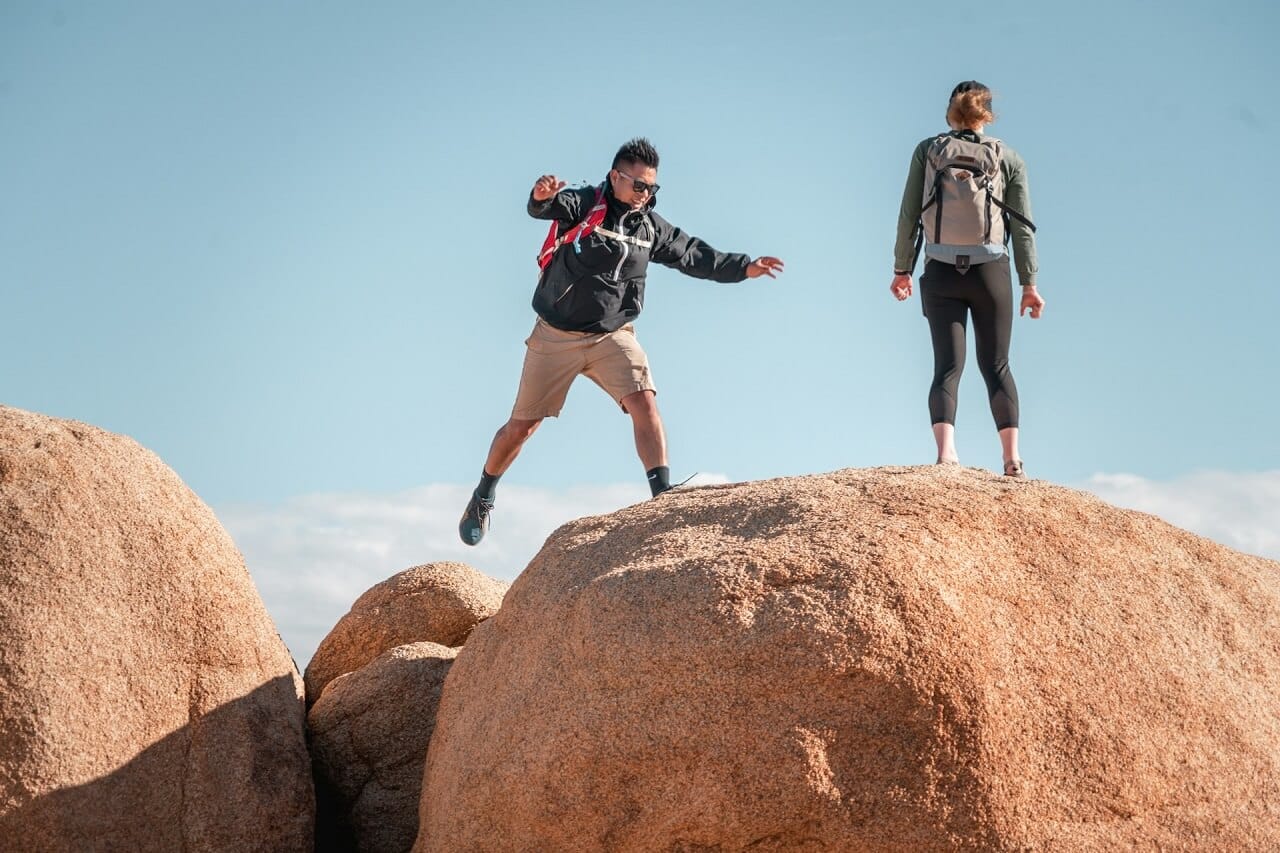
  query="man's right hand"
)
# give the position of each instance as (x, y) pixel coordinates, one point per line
(546, 187)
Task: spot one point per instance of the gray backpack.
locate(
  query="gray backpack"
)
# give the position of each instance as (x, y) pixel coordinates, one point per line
(963, 218)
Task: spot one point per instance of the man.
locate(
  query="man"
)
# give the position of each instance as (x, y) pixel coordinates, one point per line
(586, 299)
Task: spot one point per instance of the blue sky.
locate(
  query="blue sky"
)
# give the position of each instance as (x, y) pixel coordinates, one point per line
(284, 245)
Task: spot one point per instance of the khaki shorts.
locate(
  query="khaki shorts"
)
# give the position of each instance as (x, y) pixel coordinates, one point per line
(554, 358)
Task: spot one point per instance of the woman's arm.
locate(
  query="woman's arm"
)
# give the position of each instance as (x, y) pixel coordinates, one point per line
(1018, 196)
(904, 249)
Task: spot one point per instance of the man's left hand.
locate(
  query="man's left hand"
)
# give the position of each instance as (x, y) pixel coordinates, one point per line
(764, 266)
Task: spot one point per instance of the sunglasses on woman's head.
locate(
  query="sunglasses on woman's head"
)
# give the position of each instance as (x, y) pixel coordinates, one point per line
(639, 185)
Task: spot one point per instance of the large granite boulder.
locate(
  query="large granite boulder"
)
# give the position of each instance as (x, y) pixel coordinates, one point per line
(146, 701)
(369, 734)
(875, 660)
(433, 603)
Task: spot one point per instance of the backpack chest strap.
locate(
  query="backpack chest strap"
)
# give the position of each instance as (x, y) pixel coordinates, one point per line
(624, 238)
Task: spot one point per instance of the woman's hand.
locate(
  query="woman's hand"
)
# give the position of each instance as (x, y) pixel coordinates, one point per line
(901, 287)
(1032, 299)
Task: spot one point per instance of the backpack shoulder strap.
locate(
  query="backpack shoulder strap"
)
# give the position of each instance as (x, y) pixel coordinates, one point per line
(1015, 214)
(592, 219)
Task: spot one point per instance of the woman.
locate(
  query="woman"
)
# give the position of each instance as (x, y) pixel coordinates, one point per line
(966, 194)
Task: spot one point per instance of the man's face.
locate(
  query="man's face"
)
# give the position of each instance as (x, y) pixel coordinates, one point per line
(624, 180)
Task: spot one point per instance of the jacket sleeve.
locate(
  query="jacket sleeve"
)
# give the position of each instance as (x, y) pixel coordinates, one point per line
(904, 248)
(566, 205)
(691, 256)
(1018, 196)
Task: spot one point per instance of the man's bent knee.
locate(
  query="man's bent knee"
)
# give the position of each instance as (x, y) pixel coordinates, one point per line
(520, 429)
(640, 403)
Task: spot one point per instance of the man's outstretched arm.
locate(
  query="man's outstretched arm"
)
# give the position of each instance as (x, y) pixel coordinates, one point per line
(693, 257)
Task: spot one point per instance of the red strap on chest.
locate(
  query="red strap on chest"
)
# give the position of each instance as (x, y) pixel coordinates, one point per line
(555, 239)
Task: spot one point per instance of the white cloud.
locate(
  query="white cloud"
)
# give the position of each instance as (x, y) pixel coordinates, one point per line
(1241, 510)
(311, 556)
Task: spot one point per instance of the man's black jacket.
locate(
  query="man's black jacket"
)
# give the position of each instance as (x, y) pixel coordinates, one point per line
(598, 285)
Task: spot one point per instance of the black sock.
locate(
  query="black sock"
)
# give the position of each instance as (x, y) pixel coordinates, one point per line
(659, 479)
(488, 487)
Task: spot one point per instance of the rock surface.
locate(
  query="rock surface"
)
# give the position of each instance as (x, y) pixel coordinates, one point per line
(369, 734)
(146, 701)
(434, 603)
(888, 659)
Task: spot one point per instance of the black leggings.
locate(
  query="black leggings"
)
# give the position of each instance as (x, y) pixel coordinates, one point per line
(948, 297)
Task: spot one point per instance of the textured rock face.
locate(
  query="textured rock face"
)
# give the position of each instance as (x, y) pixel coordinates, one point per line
(146, 700)
(369, 736)
(889, 659)
(436, 603)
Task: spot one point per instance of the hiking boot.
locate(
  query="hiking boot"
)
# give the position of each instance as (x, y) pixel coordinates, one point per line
(1013, 468)
(475, 520)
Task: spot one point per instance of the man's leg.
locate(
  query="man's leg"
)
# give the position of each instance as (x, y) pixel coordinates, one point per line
(651, 439)
(506, 445)
(618, 364)
(502, 452)
(550, 364)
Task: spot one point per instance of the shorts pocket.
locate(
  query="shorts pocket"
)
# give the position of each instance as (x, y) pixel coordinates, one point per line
(535, 341)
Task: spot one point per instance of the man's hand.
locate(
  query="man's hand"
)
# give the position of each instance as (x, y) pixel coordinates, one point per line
(900, 287)
(546, 187)
(764, 266)
(1032, 299)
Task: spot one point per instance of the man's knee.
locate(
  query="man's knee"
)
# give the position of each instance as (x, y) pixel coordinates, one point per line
(640, 404)
(519, 429)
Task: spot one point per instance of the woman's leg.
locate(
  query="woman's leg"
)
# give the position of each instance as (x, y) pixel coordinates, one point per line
(945, 437)
(992, 306)
(1009, 445)
(947, 315)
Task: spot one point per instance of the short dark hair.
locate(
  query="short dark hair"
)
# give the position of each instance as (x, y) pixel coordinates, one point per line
(638, 150)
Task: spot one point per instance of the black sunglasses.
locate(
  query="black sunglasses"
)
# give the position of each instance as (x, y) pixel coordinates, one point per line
(638, 185)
